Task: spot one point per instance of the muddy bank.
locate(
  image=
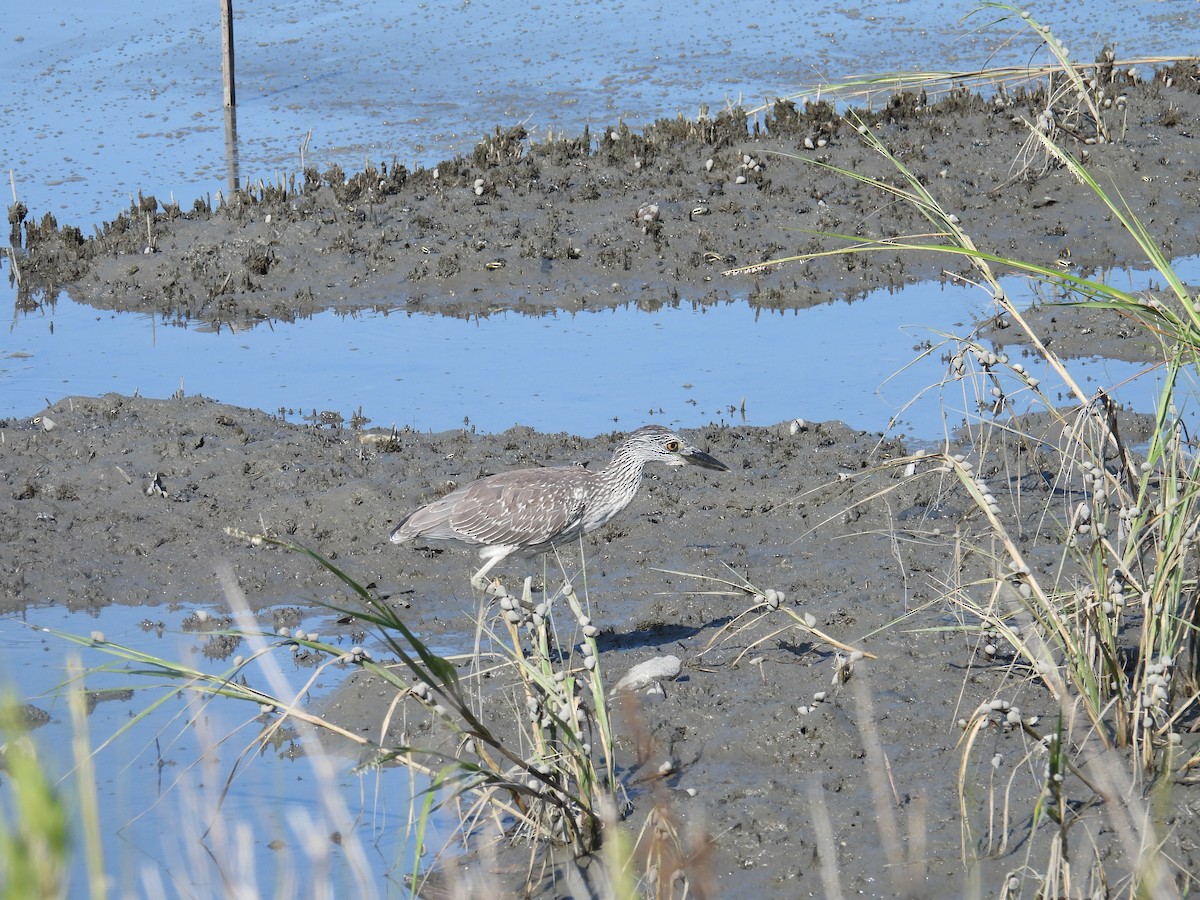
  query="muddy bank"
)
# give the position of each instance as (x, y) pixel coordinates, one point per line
(651, 218)
(120, 499)
(125, 499)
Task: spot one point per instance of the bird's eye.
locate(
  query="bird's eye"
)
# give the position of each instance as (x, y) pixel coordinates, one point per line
(673, 446)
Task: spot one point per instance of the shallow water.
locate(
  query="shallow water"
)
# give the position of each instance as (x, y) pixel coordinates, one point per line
(115, 97)
(192, 762)
(585, 372)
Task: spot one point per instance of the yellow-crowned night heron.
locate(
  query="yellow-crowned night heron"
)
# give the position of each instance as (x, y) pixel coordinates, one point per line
(530, 511)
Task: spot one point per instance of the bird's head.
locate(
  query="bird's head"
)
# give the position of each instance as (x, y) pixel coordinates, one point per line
(654, 443)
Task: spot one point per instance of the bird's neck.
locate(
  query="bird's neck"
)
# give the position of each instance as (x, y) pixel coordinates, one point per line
(622, 476)
(613, 489)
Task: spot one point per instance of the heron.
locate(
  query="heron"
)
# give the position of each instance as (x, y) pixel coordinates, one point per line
(532, 511)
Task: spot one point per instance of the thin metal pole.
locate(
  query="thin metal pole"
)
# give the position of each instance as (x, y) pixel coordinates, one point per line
(227, 52)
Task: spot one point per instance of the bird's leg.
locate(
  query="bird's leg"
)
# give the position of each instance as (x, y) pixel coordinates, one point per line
(495, 588)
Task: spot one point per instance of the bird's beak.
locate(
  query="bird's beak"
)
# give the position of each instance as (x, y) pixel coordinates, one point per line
(699, 458)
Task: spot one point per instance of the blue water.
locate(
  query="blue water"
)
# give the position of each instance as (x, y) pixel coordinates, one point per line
(583, 372)
(107, 98)
(176, 778)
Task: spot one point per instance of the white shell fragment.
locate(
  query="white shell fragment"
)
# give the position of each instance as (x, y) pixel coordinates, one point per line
(645, 673)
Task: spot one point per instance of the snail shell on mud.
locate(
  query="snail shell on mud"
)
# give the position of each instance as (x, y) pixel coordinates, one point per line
(647, 214)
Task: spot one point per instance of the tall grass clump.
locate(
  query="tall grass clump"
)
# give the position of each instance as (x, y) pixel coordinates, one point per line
(34, 816)
(1076, 569)
(521, 751)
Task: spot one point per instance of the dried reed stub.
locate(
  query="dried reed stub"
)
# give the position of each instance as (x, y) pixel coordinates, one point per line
(843, 665)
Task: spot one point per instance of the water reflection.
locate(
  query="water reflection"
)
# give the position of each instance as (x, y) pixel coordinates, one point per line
(582, 372)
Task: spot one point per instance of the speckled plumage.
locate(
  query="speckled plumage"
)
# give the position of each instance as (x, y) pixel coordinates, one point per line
(530, 511)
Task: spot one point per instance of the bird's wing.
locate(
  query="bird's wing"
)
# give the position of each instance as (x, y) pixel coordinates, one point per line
(514, 508)
(432, 521)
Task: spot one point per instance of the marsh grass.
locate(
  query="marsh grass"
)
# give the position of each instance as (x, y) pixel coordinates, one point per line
(35, 830)
(1004, 81)
(521, 751)
(520, 756)
(548, 781)
(1078, 587)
